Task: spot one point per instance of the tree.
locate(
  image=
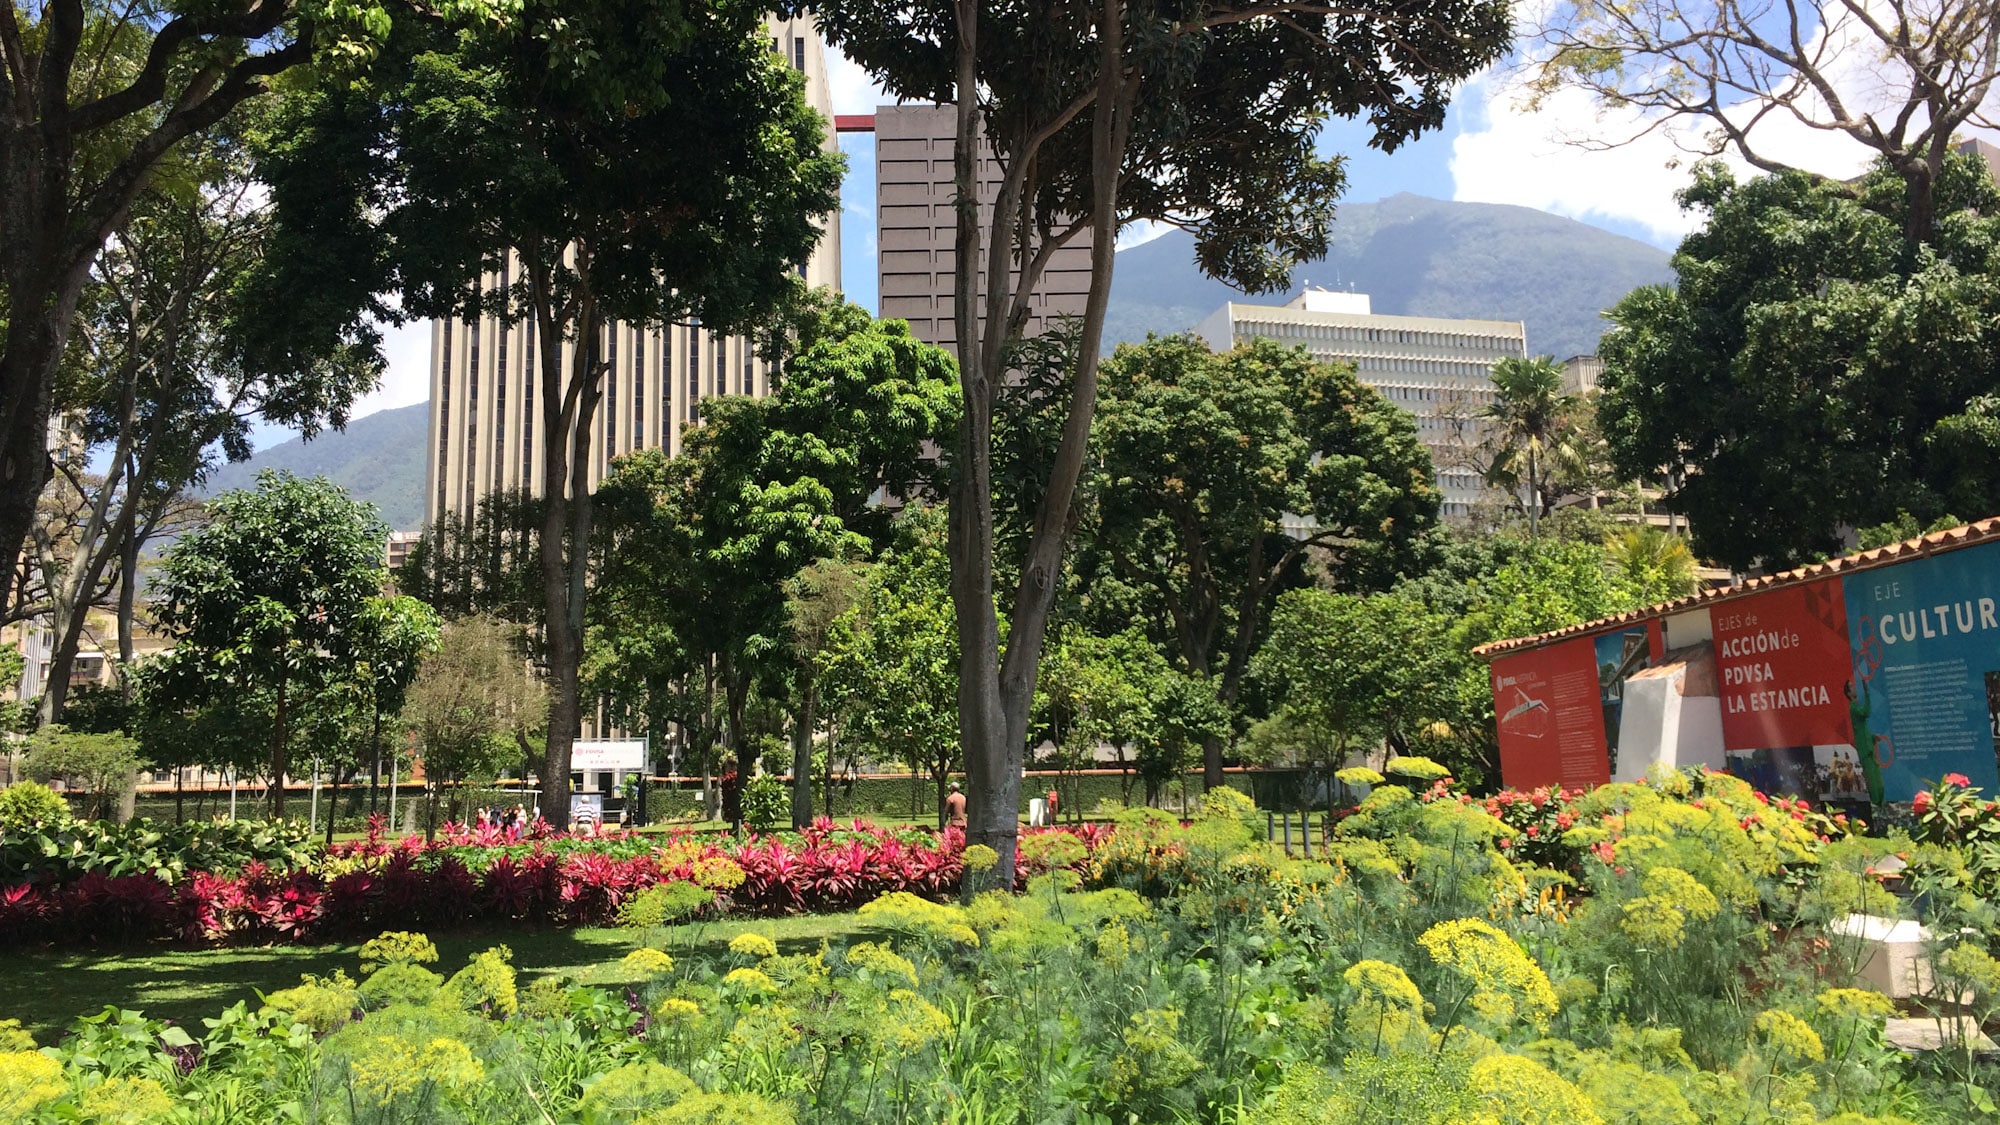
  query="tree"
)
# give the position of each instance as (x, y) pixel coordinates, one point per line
(896, 657)
(1901, 80)
(539, 169)
(816, 598)
(1528, 424)
(1096, 689)
(1358, 670)
(104, 767)
(1219, 475)
(488, 565)
(1650, 558)
(1201, 115)
(93, 99)
(269, 597)
(474, 706)
(1814, 369)
(154, 388)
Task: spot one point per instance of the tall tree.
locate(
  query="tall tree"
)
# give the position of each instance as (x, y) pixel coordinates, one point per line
(269, 598)
(1899, 80)
(474, 706)
(1528, 425)
(1360, 670)
(816, 599)
(93, 98)
(1220, 475)
(540, 170)
(154, 391)
(1201, 114)
(1814, 369)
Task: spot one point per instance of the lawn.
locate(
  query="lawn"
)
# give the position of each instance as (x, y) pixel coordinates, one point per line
(45, 991)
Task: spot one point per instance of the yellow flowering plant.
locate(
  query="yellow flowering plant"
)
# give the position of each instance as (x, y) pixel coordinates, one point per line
(754, 946)
(1505, 984)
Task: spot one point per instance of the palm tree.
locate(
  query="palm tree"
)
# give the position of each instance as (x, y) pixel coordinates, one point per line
(1652, 558)
(1530, 417)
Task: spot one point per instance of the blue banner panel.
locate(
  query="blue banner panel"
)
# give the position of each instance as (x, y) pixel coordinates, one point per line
(1925, 641)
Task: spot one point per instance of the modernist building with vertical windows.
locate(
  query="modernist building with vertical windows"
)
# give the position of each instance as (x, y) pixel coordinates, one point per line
(1439, 370)
(486, 432)
(917, 228)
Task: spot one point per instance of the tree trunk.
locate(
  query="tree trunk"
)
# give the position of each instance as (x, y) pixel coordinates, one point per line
(278, 762)
(802, 740)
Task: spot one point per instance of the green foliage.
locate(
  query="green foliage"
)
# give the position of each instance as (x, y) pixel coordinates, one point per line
(1356, 670)
(29, 806)
(102, 766)
(62, 850)
(1815, 367)
(766, 804)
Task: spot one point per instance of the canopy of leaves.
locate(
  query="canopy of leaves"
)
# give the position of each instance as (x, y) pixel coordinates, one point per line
(1815, 368)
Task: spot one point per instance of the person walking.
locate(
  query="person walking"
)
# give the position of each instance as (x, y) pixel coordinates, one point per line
(954, 808)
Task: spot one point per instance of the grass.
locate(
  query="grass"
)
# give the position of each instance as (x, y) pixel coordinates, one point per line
(47, 990)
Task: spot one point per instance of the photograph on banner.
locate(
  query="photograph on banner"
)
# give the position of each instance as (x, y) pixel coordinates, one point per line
(1924, 646)
(1620, 653)
(1550, 711)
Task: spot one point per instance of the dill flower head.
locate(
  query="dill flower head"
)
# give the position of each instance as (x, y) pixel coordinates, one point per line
(321, 1003)
(13, 1038)
(881, 961)
(1972, 966)
(487, 981)
(1114, 945)
(1512, 1090)
(626, 1092)
(1153, 1056)
(753, 981)
(388, 1067)
(1654, 922)
(722, 1109)
(676, 1009)
(1388, 1009)
(1788, 1035)
(1506, 982)
(935, 921)
(979, 857)
(1683, 890)
(774, 1028)
(717, 873)
(910, 1021)
(1359, 775)
(649, 962)
(127, 1101)
(1855, 1004)
(397, 947)
(28, 1079)
(753, 945)
(1410, 765)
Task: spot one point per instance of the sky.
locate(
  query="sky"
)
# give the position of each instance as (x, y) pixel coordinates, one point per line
(1492, 149)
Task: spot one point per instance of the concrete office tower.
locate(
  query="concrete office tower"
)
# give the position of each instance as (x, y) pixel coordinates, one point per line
(1439, 370)
(486, 431)
(917, 228)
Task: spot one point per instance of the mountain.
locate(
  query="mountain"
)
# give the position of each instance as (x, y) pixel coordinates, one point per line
(1418, 257)
(378, 458)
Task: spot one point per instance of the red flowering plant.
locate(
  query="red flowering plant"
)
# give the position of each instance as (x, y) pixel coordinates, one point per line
(1538, 819)
(1955, 814)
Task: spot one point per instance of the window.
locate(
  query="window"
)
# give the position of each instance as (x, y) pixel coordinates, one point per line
(638, 389)
(722, 367)
(531, 368)
(798, 52)
(500, 390)
(610, 394)
(471, 414)
(694, 371)
(749, 374)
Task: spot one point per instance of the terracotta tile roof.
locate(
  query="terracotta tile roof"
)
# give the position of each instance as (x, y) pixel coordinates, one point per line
(1937, 542)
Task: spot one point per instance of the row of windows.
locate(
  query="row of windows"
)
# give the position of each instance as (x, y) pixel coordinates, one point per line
(1463, 341)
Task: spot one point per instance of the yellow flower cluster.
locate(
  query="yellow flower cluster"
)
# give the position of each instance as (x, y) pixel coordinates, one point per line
(1356, 776)
(906, 913)
(1410, 765)
(979, 857)
(717, 873)
(488, 980)
(774, 1028)
(676, 1009)
(910, 1022)
(320, 1003)
(397, 947)
(649, 962)
(1153, 1058)
(1507, 984)
(1513, 1090)
(1972, 967)
(1388, 1008)
(881, 961)
(721, 1109)
(28, 1079)
(1855, 1004)
(750, 981)
(1790, 1036)
(389, 1066)
(753, 945)
(1114, 945)
(127, 1101)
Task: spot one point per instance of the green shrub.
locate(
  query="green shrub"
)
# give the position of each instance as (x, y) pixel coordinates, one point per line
(26, 806)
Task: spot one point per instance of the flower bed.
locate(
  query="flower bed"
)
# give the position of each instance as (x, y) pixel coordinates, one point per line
(466, 878)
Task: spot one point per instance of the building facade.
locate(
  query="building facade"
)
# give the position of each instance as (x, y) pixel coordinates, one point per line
(917, 228)
(486, 431)
(1439, 370)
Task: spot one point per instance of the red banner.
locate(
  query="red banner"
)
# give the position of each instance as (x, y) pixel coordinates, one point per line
(1781, 661)
(1551, 716)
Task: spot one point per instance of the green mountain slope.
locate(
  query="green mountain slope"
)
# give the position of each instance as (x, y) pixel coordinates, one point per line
(1419, 257)
(378, 458)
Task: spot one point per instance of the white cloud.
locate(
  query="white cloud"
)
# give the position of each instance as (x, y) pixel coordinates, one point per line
(854, 90)
(408, 377)
(1509, 154)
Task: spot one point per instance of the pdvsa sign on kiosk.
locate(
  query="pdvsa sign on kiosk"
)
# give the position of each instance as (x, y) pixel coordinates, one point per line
(1866, 678)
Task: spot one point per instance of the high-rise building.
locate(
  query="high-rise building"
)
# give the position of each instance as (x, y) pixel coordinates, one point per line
(1439, 370)
(486, 432)
(917, 228)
